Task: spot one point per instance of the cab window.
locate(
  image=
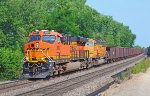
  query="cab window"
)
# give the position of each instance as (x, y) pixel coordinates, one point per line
(34, 38)
(59, 40)
(89, 43)
(49, 39)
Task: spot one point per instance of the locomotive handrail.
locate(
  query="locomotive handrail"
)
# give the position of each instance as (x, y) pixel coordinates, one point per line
(47, 56)
(23, 60)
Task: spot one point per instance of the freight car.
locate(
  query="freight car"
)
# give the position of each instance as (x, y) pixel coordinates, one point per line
(115, 53)
(49, 53)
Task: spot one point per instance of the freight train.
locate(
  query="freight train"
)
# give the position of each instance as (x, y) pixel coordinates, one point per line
(49, 53)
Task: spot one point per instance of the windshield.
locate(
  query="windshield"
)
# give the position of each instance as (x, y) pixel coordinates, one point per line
(34, 37)
(49, 39)
(89, 44)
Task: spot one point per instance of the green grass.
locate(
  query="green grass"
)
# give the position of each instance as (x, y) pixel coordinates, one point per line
(140, 67)
(122, 76)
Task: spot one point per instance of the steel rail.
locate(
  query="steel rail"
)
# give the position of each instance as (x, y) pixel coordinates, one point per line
(16, 85)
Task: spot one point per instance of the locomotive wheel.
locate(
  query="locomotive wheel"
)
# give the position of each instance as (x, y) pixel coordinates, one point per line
(89, 65)
(60, 70)
(55, 72)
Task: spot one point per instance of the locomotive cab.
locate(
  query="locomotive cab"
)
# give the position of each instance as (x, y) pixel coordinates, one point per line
(39, 57)
(90, 45)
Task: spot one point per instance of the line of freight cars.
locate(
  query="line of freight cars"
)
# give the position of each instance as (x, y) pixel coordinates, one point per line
(116, 53)
(49, 53)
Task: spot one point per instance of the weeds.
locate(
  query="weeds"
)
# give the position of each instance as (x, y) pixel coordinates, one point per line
(122, 76)
(140, 67)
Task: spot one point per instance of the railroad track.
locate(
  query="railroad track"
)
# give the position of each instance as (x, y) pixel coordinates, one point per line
(60, 88)
(16, 85)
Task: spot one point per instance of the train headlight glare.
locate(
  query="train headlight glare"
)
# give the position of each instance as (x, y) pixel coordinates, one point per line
(37, 44)
(43, 68)
(27, 58)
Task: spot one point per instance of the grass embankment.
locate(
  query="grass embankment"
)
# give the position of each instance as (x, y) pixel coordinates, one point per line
(139, 67)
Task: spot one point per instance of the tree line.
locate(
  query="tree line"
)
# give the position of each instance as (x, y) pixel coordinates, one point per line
(20, 17)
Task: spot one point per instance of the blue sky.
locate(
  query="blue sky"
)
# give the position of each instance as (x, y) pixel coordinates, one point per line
(133, 13)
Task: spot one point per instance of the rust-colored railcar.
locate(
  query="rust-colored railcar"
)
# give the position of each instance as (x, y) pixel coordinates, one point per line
(116, 53)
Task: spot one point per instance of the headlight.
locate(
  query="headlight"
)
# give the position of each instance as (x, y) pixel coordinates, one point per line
(43, 68)
(50, 65)
(37, 44)
(27, 58)
(42, 58)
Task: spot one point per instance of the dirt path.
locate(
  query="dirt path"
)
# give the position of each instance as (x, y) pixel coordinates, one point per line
(139, 85)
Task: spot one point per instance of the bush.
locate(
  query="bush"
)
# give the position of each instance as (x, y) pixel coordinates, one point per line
(122, 76)
(10, 64)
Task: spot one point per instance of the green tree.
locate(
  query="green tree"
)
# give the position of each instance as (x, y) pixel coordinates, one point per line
(138, 47)
(10, 63)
